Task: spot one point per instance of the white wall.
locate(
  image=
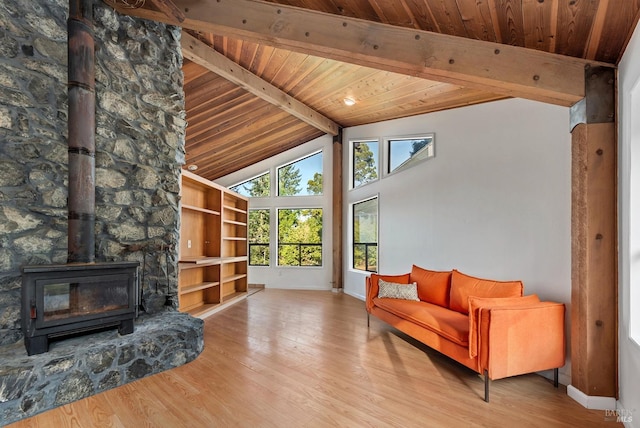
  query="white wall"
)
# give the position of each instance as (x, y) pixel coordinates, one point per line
(629, 209)
(495, 202)
(307, 278)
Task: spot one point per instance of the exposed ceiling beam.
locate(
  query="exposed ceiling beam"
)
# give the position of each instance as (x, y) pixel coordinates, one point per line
(201, 53)
(169, 8)
(493, 67)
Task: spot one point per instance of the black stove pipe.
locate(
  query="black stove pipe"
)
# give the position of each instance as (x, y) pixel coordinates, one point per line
(81, 127)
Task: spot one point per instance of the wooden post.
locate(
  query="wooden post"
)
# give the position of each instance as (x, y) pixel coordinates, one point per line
(594, 282)
(337, 212)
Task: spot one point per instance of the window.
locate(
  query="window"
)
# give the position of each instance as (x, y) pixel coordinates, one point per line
(257, 187)
(365, 235)
(301, 177)
(259, 229)
(364, 167)
(405, 152)
(634, 213)
(300, 237)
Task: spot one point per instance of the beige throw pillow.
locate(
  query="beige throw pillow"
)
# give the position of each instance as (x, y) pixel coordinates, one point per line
(393, 290)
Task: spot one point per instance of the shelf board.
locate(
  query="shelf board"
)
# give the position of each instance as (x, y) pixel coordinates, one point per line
(190, 261)
(230, 208)
(200, 209)
(203, 311)
(234, 295)
(233, 259)
(197, 287)
(234, 238)
(238, 223)
(235, 277)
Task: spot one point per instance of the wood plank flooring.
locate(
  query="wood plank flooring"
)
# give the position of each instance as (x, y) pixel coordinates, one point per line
(307, 359)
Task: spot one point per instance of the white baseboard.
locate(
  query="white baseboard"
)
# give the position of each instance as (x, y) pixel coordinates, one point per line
(590, 401)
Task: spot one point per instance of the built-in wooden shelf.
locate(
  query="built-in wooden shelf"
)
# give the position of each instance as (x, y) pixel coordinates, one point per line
(213, 246)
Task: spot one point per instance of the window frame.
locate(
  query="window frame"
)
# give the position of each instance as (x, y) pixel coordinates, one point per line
(249, 243)
(353, 237)
(277, 175)
(412, 161)
(278, 243)
(352, 160)
(268, 172)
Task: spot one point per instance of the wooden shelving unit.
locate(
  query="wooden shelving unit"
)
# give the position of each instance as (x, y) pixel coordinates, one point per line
(213, 246)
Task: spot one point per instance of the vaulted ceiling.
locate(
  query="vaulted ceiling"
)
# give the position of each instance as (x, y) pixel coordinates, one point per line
(262, 77)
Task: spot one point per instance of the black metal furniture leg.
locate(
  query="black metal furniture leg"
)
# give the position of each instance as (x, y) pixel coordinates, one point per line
(555, 377)
(486, 386)
(368, 319)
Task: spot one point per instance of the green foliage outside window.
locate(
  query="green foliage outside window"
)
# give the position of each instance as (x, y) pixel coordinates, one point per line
(256, 187)
(292, 175)
(300, 237)
(365, 235)
(259, 230)
(365, 168)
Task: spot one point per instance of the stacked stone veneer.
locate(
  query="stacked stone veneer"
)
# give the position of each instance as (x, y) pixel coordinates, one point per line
(140, 128)
(78, 367)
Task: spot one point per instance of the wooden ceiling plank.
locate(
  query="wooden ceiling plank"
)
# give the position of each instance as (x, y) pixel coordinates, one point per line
(509, 14)
(218, 125)
(576, 21)
(537, 23)
(596, 29)
(498, 68)
(422, 15)
(476, 18)
(255, 149)
(619, 15)
(230, 143)
(447, 14)
(199, 52)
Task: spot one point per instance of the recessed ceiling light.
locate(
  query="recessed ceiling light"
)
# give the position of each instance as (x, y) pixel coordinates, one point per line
(192, 167)
(349, 101)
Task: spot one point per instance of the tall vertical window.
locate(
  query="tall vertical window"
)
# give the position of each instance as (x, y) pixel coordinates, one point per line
(364, 157)
(405, 152)
(257, 187)
(300, 237)
(365, 235)
(634, 213)
(259, 230)
(301, 177)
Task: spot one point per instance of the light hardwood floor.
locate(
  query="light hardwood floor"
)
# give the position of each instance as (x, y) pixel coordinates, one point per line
(307, 359)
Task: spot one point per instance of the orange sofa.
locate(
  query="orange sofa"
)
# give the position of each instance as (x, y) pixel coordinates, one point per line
(489, 326)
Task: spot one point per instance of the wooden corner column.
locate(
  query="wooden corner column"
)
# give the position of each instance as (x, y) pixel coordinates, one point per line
(594, 281)
(337, 212)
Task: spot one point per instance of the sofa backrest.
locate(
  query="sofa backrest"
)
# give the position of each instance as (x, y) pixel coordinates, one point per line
(433, 286)
(463, 286)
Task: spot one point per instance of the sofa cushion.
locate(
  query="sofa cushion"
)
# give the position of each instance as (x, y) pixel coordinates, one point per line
(433, 286)
(464, 286)
(394, 290)
(477, 303)
(399, 279)
(449, 324)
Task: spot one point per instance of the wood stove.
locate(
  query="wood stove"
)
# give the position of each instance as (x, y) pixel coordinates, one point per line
(61, 300)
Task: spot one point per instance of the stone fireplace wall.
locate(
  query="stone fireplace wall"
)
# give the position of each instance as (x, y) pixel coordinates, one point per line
(140, 123)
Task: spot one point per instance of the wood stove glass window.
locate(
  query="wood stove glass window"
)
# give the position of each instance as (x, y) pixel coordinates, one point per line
(81, 297)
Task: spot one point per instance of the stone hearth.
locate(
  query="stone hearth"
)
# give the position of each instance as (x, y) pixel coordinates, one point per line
(77, 367)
